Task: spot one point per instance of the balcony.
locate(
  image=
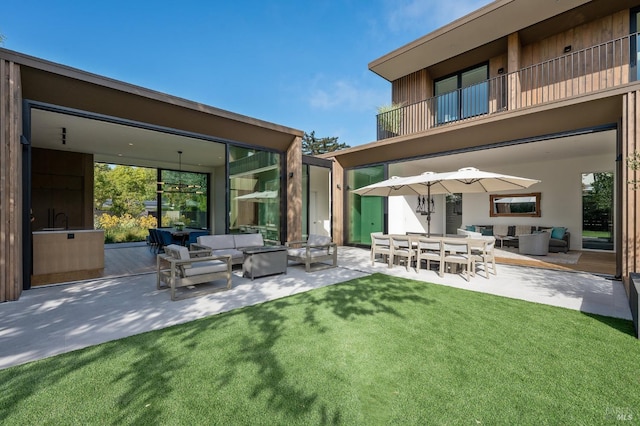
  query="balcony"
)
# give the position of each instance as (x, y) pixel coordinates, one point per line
(599, 67)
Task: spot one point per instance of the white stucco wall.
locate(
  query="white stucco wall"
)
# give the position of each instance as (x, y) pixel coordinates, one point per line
(561, 199)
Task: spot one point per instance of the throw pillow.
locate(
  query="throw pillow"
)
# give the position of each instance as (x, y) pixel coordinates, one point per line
(470, 228)
(487, 232)
(558, 232)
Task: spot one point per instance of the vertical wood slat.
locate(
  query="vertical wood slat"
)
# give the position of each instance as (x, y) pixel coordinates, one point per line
(10, 182)
(630, 198)
(294, 191)
(338, 190)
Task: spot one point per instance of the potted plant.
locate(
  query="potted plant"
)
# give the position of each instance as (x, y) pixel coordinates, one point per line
(389, 119)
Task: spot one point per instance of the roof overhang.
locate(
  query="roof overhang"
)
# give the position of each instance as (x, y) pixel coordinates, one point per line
(60, 85)
(589, 111)
(483, 26)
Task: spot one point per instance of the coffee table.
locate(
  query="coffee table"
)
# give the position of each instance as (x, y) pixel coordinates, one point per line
(264, 260)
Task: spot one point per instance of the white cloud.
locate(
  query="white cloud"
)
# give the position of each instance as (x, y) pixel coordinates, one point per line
(346, 95)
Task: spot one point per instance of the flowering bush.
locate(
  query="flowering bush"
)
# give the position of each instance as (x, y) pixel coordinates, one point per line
(125, 228)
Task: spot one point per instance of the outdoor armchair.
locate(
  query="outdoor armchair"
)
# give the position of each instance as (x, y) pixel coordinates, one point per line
(315, 249)
(179, 267)
(534, 244)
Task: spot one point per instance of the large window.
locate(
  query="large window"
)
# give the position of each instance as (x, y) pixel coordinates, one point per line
(635, 48)
(184, 198)
(462, 95)
(254, 192)
(597, 211)
(366, 214)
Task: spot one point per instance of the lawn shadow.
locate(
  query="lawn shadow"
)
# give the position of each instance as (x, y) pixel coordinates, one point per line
(369, 296)
(146, 380)
(621, 325)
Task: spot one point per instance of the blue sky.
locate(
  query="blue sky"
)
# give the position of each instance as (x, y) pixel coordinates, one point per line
(297, 63)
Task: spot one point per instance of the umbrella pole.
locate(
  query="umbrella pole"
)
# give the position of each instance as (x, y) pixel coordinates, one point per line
(429, 211)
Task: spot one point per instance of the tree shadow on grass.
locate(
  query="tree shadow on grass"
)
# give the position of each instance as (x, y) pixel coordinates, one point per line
(143, 383)
(366, 297)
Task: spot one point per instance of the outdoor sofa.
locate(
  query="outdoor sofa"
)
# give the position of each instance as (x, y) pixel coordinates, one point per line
(229, 244)
(508, 235)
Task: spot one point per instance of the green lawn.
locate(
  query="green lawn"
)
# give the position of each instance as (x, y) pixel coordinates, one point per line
(373, 351)
(596, 234)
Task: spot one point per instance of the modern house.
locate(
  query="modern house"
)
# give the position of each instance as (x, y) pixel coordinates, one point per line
(57, 121)
(543, 89)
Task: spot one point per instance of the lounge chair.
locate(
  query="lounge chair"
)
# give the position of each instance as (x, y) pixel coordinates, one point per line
(315, 249)
(179, 267)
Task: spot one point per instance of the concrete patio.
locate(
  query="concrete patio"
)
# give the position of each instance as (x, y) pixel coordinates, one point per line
(50, 320)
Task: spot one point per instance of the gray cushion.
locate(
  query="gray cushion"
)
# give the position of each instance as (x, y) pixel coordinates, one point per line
(235, 254)
(248, 240)
(217, 242)
(302, 252)
(206, 267)
(318, 240)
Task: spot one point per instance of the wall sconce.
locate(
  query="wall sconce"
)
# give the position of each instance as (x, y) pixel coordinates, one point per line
(567, 49)
(500, 70)
(338, 186)
(290, 175)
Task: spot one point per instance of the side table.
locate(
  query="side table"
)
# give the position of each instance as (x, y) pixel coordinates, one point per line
(262, 261)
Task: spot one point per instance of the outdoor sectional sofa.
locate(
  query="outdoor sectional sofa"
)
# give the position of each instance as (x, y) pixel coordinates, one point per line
(508, 234)
(231, 244)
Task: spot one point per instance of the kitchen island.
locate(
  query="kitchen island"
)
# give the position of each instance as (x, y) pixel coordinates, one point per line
(61, 255)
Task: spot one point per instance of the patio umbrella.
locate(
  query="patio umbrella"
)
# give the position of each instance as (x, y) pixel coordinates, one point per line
(394, 186)
(259, 197)
(465, 180)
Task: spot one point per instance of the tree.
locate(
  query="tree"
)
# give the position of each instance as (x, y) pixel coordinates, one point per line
(311, 145)
(127, 187)
(633, 162)
(103, 188)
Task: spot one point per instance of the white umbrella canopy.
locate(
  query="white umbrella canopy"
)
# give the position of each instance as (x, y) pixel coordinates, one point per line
(396, 186)
(259, 197)
(465, 180)
(470, 179)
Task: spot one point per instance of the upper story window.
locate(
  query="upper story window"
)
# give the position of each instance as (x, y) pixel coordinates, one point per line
(462, 95)
(635, 47)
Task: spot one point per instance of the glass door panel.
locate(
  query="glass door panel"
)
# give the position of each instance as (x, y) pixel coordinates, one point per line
(597, 211)
(366, 214)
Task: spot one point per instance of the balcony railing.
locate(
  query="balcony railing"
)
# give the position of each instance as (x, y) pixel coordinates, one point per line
(595, 68)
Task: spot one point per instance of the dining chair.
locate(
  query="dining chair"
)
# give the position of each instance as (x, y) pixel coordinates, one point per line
(458, 251)
(482, 251)
(381, 245)
(430, 250)
(401, 248)
(165, 239)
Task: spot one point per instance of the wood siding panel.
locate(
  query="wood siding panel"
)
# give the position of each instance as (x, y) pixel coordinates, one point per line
(338, 191)
(294, 191)
(10, 182)
(630, 198)
(575, 73)
(410, 91)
